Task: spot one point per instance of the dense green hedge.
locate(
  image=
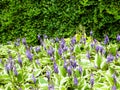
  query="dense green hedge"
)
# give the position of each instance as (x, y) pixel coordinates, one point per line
(27, 18)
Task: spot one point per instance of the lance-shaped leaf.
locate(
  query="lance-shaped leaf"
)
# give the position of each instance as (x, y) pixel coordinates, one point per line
(98, 60)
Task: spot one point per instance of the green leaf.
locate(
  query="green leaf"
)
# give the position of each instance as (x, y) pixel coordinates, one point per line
(98, 60)
(62, 71)
(42, 80)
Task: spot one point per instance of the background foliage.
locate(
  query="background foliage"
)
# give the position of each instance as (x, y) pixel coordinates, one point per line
(27, 18)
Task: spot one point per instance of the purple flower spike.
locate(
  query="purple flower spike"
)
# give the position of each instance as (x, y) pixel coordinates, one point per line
(62, 44)
(106, 40)
(37, 49)
(110, 58)
(92, 45)
(102, 51)
(29, 55)
(20, 89)
(60, 51)
(84, 40)
(17, 43)
(45, 36)
(57, 40)
(15, 71)
(114, 78)
(48, 75)
(7, 67)
(20, 60)
(80, 69)
(75, 81)
(39, 37)
(91, 33)
(38, 62)
(88, 55)
(55, 68)
(97, 49)
(73, 40)
(95, 41)
(114, 87)
(24, 41)
(33, 78)
(50, 87)
(65, 48)
(50, 51)
(52, 58)
(118, 37)
(73, 63)
(69, 70)
(71, 48)
(117, 55)
(92, 80)
(65, 64)
(0, 60)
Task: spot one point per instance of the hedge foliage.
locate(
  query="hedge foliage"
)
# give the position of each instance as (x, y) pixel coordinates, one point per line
(27, 18)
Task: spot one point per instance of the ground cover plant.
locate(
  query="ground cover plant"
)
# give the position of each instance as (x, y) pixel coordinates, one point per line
(77, 63)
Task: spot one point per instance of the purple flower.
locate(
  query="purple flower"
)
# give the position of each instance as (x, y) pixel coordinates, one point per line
(97, 49)
(20, 89)
(65, 48)
(71, 48)
(15, 71)
(73, 40)
(114, 87)
(17, 43)
(117, 55)
(48, 75)
(52, 58)
(45, 36)
(55, 68)
(84, 40)
(88, 55)
(24, 41)
(39, 37)
(60, 51)
(37, 49)
(7, 67)
(106, 40)
(118, 37)
(92, 45)
(37, 62)
(33, 78)
(95, 41)
(110, 58)
(50, 51)
(29, 55)
(31, 48)
(114, 78)
(69, 70)
(0, 60)
(92, 80)
(65, 64)
(50, 87)
(91, 33)
(75, 81)
(20, 60)
(62, 43)
(80, 69)
(102, 51)
(18, 40)
(73, 63)
(57, 40)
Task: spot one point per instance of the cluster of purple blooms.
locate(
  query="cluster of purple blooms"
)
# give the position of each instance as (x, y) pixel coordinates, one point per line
(69, 65)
